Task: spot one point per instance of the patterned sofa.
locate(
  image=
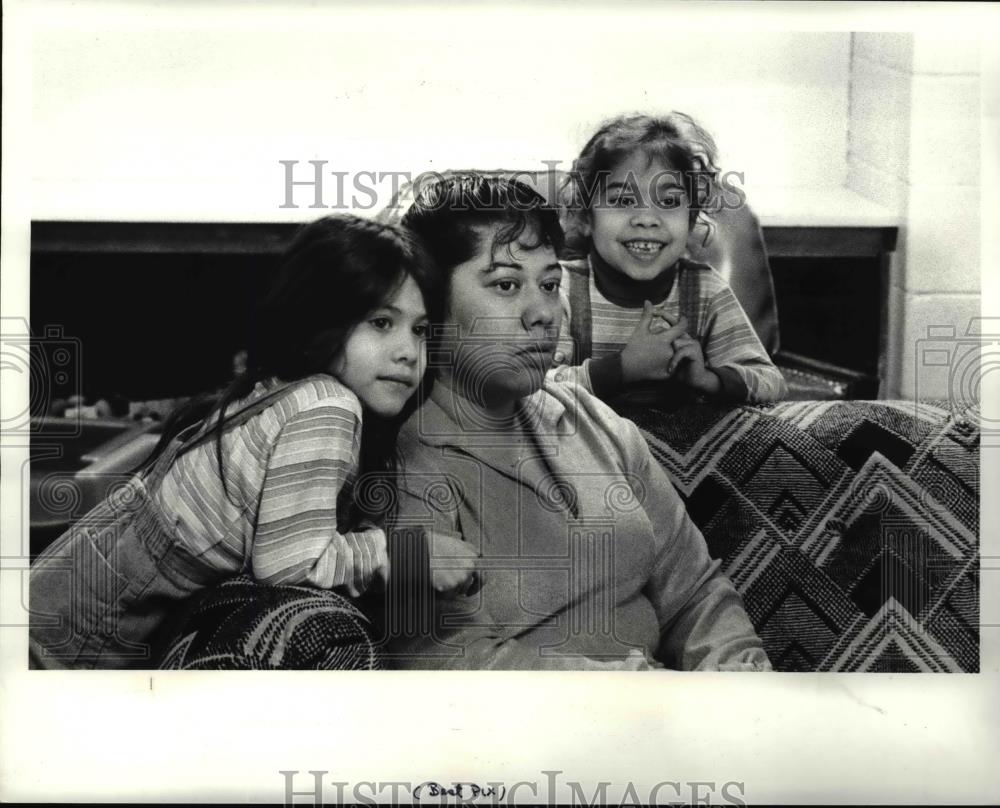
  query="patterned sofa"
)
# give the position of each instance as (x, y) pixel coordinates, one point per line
(851, 528)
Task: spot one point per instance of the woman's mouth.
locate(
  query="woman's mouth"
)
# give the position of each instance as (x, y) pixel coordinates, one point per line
(538, 348)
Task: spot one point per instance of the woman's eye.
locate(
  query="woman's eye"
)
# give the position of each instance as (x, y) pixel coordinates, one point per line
(420, 330)
(381, 323)
(623, 201)
(506, 285)
(551, 286)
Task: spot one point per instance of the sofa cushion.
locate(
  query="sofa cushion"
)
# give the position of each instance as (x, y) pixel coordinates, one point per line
(243, 625)
(849, 527)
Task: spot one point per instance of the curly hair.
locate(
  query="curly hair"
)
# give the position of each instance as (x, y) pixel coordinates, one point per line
(676, 140)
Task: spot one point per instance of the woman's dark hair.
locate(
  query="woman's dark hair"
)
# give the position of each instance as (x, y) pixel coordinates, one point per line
(450, 213)
(333, 274)
(676, 140)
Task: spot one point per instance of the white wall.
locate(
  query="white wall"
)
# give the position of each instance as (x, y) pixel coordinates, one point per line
(184, 113)
(915, 146)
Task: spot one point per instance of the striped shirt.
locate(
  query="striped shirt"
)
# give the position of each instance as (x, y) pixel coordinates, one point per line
(287, 470)
(727, 338)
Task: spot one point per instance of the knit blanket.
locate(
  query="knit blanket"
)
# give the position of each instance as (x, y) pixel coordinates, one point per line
(243, 625)
(851, 528)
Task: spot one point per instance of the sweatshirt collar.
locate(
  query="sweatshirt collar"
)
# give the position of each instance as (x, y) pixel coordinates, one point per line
(442, 420)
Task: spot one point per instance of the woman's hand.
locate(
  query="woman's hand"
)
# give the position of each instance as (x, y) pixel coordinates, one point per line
(453, 565)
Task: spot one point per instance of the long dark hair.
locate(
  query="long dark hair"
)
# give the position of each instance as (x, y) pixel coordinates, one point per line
(333, 274)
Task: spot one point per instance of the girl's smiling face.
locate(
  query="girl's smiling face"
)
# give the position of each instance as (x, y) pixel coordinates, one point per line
(639, 225)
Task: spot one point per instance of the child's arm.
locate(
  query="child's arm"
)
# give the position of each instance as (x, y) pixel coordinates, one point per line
(566, 349)
(731, 352)
(643, 358)
(601, 377)
(297, 541)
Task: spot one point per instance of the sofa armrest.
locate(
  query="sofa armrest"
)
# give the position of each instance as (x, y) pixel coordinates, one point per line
(850, 528)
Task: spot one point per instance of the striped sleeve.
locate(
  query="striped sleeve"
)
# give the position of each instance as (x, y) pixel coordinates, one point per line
(297, 540)
(729, 341)
(567, 353)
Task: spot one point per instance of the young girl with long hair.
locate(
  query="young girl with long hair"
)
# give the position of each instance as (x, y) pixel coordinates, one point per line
(288, 474)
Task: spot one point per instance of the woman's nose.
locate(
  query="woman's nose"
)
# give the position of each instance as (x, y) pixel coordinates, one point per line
(542, 312)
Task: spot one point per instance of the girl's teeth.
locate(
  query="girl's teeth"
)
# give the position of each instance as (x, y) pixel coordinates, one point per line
(643, 246)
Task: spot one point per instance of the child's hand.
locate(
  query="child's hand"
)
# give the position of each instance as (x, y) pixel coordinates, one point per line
(453, 566)
(650, 348)
(660, 322)
(687, 365)
(371, 559)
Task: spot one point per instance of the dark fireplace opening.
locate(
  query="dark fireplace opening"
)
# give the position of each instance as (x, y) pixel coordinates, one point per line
(144, 325)
(830, 309)
(158, 310)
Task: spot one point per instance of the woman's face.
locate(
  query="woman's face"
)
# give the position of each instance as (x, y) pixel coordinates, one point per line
(502, 321)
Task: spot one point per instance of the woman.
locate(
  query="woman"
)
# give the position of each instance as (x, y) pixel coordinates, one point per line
(585, 556)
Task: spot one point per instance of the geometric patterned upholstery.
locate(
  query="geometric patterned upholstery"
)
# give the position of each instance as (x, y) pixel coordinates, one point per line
(243, 625)
(850, 528)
